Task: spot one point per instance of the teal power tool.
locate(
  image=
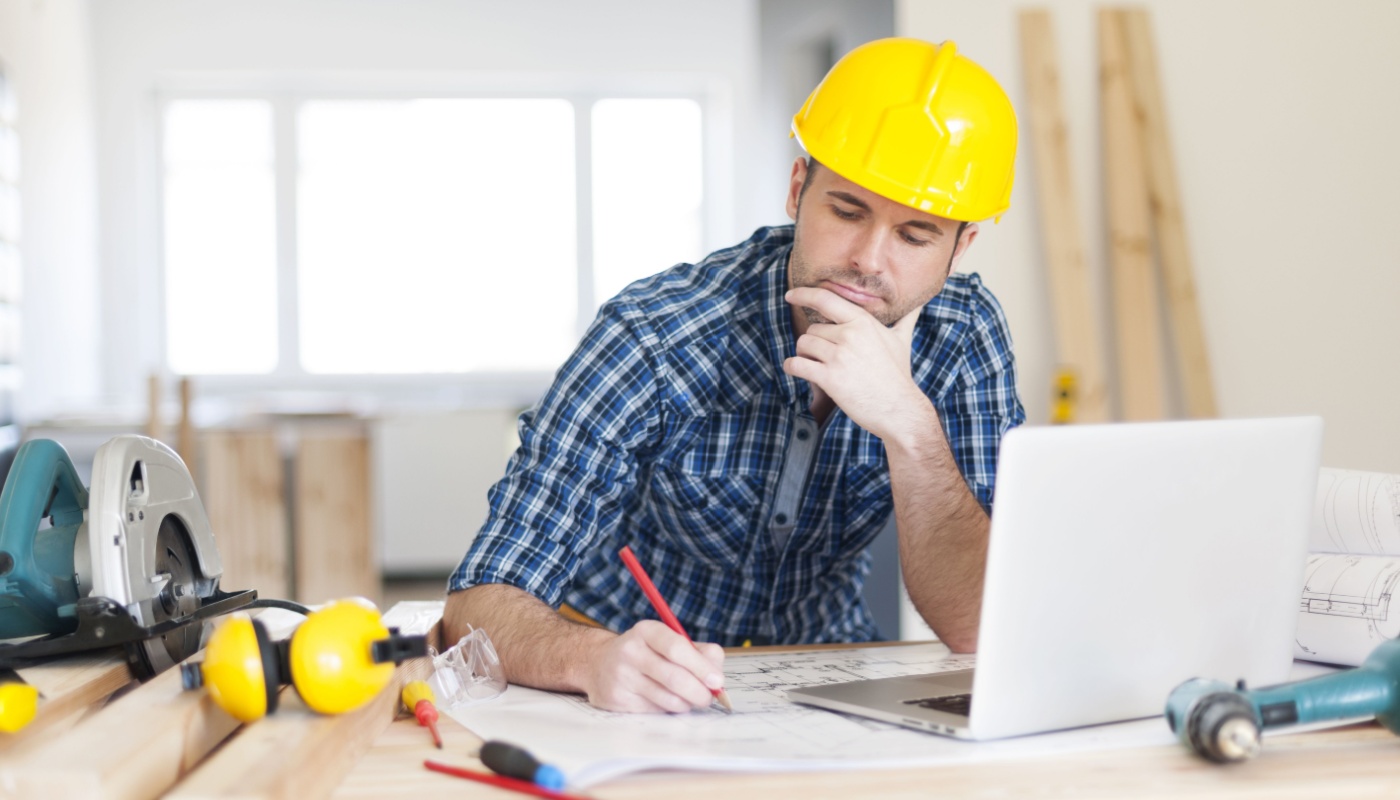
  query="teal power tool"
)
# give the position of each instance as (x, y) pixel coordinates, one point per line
(1223, 723)
(131, 563)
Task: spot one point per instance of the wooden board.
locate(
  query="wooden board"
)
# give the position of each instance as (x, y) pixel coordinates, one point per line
(297, 753)
(336, 555)
(136, 747)
(244, 493)
(1078, 345)
(69, 687)
(1177, 274)
(1136, 305)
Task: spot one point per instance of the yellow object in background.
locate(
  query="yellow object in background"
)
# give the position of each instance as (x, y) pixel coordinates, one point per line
(916, 123)
(1062, 405)
(19, 702)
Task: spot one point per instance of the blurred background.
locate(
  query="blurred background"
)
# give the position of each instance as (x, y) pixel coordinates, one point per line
(333, 247)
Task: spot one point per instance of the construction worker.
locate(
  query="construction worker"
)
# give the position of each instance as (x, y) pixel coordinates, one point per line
(747, 424)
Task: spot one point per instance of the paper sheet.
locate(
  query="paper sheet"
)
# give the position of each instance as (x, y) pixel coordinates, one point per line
(1349, 603)
(767, 732)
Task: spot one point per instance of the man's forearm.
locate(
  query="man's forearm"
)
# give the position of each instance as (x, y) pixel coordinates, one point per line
(537, 646)
(942, 533)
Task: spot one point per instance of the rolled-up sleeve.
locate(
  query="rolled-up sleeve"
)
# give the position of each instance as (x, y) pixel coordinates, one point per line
(984, 404)
(574, 469)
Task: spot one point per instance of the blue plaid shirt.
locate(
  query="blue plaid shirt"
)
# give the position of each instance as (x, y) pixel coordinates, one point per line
(668, 429)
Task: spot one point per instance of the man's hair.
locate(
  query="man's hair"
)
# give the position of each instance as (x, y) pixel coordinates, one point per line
(812, 165)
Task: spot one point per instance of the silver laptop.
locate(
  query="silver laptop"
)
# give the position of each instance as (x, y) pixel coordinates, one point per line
(1124, 559)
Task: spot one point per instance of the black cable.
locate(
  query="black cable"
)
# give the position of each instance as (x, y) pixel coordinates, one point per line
(286, 605)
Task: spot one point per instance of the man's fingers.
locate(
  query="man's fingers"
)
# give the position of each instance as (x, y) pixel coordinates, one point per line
(825, 302)
(681, 652)
(816, 348)
(806, 369)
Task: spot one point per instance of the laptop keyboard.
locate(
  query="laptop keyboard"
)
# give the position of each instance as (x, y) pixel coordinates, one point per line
(951, 703)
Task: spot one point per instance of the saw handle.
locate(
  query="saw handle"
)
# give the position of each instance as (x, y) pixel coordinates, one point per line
(42, 483)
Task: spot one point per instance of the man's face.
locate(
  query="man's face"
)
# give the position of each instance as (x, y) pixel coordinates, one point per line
(881, 255)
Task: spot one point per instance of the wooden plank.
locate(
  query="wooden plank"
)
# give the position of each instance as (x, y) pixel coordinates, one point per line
(336, 554)
(1165, 202)
(185, 438)
(1130, 248)
(244, 493)
(297, 753)
(68, 687)
(1078, 345)
(136, 747)
(153, 398)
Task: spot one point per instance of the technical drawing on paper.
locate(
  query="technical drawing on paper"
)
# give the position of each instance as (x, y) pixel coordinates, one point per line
(590, 744)
(1347, 606)
(1356, 512)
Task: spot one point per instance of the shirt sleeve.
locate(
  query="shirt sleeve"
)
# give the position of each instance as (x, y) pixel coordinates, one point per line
(984, 404)
(574, 469)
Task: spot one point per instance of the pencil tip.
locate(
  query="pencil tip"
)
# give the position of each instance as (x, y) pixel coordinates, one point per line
(723, 699)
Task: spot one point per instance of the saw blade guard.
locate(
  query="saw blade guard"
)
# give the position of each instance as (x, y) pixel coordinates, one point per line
(137, 483)
(37, 577)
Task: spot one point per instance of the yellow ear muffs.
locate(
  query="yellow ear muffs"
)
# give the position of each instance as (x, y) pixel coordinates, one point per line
(338, 660)
(240, 668)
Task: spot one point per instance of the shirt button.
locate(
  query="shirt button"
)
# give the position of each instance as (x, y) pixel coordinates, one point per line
(780, 518)
(803, 435)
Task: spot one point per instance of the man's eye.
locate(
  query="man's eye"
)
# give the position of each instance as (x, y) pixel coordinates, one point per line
(842, 213)
(913, 240)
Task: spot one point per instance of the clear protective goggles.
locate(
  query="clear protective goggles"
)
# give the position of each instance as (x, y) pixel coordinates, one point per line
(468, 672)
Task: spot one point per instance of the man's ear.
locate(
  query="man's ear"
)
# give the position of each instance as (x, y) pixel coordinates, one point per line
(964, 241)
(795, 182)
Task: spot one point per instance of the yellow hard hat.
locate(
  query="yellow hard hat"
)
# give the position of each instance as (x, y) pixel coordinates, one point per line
(917, 123)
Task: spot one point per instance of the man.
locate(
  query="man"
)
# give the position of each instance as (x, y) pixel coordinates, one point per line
(748, 423)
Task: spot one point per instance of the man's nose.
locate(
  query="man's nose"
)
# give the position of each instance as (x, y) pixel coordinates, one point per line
(867, 254)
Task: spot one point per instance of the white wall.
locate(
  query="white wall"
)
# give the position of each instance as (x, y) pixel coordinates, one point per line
(1284, 116)
(45, 49)
(139, 44)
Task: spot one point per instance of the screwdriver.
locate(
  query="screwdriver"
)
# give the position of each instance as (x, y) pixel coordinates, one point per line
(418, 698)
(512, 761)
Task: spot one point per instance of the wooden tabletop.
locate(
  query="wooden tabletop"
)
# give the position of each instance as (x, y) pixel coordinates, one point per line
(1355, 761)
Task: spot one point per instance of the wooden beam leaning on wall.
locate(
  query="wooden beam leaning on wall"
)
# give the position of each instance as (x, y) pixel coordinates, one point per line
(1165, 204)
(244, 493)
(1078, 345)
(1135, 298)
(336, 554)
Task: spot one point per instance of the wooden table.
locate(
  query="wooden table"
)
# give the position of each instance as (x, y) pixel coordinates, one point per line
(1356, 761)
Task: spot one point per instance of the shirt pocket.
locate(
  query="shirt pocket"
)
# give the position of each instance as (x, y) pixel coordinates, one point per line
(708, 517)
(867, 502)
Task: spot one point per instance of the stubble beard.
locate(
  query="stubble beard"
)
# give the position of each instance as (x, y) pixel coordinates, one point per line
(803, 275)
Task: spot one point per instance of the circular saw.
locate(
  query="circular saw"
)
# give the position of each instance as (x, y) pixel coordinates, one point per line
(130, 562)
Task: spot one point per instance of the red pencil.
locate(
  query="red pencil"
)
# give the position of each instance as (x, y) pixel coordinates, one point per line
(663, 610)
(500, 780)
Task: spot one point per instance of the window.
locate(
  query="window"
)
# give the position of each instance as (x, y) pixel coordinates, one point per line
(419, 235)
(9, 251)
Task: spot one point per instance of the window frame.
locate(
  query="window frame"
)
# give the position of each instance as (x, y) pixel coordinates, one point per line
(368, 391)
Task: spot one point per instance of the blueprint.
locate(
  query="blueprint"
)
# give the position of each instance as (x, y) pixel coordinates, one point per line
(1347, 608)
(1356, 513)
(1348, 604)
(767, 732)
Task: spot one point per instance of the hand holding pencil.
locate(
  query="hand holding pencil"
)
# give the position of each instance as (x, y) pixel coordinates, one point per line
(648, 668)
(664, 611)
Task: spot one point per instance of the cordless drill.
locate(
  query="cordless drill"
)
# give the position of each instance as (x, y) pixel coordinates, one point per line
(1223, 723)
